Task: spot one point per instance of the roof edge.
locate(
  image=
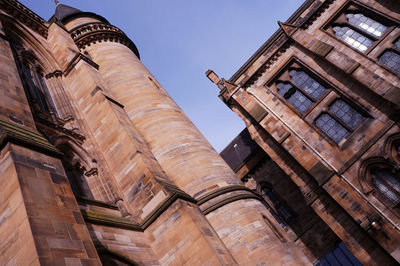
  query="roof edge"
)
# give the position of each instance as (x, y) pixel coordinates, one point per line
(270, 41)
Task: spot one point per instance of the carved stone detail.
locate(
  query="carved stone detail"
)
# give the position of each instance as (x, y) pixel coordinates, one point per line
(90, 33)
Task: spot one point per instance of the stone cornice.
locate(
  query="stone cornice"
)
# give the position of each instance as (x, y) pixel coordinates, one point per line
(10, 132)
(75, 61)
(89, 33)
(25, 15)
(175, 194)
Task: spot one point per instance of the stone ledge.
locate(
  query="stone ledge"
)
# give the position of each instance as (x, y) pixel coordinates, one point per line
(10, 132)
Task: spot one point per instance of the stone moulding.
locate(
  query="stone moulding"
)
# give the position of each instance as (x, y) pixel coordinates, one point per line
(87, 34)
(26, 16)
(75, 61)
(120, 222)
(10, 132)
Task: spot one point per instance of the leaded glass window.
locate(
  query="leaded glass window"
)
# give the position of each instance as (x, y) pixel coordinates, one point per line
(307, 83)
(331, 127)
(391, 59)
(346, 113)
(353, 38)
(387, 183)
(366, 24)
(294, 97)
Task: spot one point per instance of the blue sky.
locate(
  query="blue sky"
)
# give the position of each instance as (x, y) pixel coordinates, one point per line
(178, 40)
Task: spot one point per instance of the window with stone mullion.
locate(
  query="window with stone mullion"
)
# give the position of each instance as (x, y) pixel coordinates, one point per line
(298, 98)
(387, 183)
(358, 30)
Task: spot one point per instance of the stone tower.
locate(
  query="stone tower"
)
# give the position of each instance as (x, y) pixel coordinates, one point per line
(321, 98)
(99, 165)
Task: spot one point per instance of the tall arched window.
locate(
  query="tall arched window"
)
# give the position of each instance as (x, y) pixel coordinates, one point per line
(33, 81)
(387, 183)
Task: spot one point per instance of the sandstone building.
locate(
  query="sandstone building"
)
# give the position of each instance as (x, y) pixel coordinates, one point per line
(321, 100)
(98, 165)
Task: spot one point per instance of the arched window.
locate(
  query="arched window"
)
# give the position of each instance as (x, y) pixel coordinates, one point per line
(33, 81)
(387, 183)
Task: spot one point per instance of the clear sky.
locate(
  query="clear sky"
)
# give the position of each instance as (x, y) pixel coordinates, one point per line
(178, 40)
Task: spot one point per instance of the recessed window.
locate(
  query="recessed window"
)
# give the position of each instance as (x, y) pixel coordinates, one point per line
(312, 87)
(391, 57)
(331, 127)
(305, 92)
(341, 120)
(346, 113)
(366, 24)
(359, 27)
(353, 38)
(294, 97)
(387, 182)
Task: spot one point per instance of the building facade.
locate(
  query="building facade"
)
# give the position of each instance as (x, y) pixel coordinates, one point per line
(321, 99)
(98, 165)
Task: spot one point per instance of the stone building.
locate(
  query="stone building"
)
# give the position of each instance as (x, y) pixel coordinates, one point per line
(321, 100)
(98, 165)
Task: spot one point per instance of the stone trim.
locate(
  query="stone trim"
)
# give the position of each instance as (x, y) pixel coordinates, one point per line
(89, 33)
(117, 255)
(120, 222)
(231, 199)
(26, 16)
(220, 191)
(10, 132)
(75, 61)
(97, 203)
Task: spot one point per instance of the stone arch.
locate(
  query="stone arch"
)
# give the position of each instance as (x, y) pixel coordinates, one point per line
(380, 176)
(78, 164)
(392, 149)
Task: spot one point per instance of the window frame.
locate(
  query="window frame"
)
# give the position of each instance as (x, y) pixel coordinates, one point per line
(285, 70)
(392, 48)
(271, 86)
(353, 7)
(375, 192)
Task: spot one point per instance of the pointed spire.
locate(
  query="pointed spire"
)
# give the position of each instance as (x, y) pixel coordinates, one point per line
(288, 29)
(63, 11)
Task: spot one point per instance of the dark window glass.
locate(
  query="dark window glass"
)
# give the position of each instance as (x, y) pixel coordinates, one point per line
(269, 194)
(387, 183)
(331, 127)
(294, 96)
(353, 38)
(308, 84)
(346, 113)
(366, 24)
(391, 59)
(397, 44)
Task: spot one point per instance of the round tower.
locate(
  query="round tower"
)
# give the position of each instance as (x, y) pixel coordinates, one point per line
(237, 215)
